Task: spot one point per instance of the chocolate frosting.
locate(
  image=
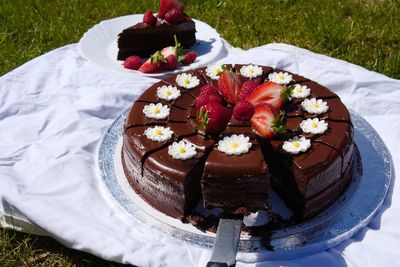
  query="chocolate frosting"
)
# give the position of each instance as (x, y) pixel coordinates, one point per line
(144, 40)
(238, 183)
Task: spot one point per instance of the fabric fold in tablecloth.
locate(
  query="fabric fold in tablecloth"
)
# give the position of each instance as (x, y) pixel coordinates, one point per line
(55, 109)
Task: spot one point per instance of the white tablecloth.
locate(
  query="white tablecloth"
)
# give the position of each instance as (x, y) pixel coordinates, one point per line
(55, 108)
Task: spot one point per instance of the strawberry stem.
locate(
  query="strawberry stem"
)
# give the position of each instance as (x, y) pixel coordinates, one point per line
(286, 93)
(178, 47)
(279, 124)
(157, 58)
(202, 119)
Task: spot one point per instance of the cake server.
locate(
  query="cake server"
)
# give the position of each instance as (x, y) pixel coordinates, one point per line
(226, 242)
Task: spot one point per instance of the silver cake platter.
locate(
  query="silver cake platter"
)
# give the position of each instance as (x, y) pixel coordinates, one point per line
(373, 172)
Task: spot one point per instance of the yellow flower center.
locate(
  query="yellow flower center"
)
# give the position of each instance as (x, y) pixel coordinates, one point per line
(298, 90)
(281, 77)
(156, 110)
(186, 81)
(314, 124)
(181, 150)
(168, 92)
(157, 132)
(234, 145)
(218, 71)
(296, 144)
(315, 105)
(251, 70)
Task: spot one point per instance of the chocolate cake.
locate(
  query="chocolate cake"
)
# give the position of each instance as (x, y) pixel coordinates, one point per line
(176, 165)
(143, 39)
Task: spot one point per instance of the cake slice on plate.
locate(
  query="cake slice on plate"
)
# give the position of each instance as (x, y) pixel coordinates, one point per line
(156, 32)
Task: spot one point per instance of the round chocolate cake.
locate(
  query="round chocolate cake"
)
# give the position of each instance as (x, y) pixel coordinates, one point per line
(226, 133)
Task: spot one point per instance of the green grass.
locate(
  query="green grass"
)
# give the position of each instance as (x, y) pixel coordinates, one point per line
(19, 249)
(366, 33)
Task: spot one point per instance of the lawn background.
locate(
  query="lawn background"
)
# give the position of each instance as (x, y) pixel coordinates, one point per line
(366, 33)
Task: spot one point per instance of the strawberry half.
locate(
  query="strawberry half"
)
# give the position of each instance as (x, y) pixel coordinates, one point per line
(153, 64)
(267, 122)
(271, 93)
(213, 118)
(229, 84)
(165, 59)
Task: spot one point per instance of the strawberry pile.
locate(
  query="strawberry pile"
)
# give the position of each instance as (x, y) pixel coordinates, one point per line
(251, 100)
(168, 58)
(170, 11)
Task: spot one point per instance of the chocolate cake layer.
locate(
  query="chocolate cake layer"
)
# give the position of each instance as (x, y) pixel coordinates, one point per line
(144, 40)
(172, 186)
(235, 182)
(308, 182)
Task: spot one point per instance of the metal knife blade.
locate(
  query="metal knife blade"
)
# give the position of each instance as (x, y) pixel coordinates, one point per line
(226, 242)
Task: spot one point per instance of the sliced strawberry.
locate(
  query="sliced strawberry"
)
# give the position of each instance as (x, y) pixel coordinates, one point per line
(172, 50)
(213, 118)
(267, 122)
(167, 51)
(271, 93)
(153, 64)
(229, 84)
(165, 59)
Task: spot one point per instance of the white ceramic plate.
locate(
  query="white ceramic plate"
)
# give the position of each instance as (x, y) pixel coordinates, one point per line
(99, 44)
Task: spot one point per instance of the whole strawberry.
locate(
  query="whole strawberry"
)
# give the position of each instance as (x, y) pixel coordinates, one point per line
(189, 58)
(133, 62)
(247, 88)
(203, 99)
(213, 118)
(149, 18)
(209, 89)
(174, 15)
(171, 62)
(180, 6)
(167, 5)
(229, 84)
(243, 111)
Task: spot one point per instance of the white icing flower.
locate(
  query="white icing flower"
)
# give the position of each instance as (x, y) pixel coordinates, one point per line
(234, 144)
(156, 111)
(182, 150)
(314, 106)
(314, 126)
(186, 80)
(168, 92)
(158, 133)
(251, 71)
(300, 91)
(280, 77)
(214, 71)
(296, 145)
